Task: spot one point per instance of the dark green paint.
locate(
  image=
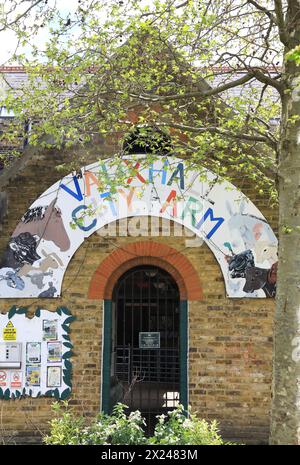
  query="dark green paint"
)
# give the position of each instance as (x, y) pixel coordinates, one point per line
(106, 356)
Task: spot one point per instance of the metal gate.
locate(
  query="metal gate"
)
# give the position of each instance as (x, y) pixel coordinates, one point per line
(145, 342)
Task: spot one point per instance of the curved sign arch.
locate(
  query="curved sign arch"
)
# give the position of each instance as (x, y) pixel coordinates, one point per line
(57, 223)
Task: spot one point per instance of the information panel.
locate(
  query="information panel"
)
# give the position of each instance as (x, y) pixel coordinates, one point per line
(150, 340)
(37, 362)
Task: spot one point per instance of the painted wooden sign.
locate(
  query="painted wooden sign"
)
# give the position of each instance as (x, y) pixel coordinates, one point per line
(57, 223)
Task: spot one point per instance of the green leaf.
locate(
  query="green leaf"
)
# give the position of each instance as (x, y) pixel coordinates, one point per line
(69, 320)
(58, 310)
(65, 310)
(56, 394)
(38, 312)
(66, 393)
(6, 394)
(18, 394)
(68, 354)
(12, 312)
(48, 393)
(68, 344)
(67, 381)
(66, 337)
(21, 310)
(1, 393)
(65, 328)
(68, 365)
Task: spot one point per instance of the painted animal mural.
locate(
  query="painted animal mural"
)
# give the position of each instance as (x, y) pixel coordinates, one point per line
(21, 255)
(49, 233)
(47, 223)
(242, 265)
(252, 251)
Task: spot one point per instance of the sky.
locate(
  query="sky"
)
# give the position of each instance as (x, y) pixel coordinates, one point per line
(66, 8)
(8, 39)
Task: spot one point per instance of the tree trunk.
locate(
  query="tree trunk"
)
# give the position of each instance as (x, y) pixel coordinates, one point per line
(285, 415)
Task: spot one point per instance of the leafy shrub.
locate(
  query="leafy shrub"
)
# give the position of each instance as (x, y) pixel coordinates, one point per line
(180, 428)
(177, 427)
(117, 429)
(66, 428)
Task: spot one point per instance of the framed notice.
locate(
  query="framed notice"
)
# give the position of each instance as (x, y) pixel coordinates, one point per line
(54, 350)
(33, 375)
(49, 330)
(53, 376)
(33, 352)
(149, 340)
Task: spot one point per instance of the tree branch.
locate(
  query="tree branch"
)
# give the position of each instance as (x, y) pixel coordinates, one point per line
(199, 93)
(216, 130)
(280, 22)
(263, 10)
(20, 16)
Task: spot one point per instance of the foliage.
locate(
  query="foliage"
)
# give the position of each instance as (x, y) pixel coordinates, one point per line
(122, 429)
(294, 55)
(180, 428)
(66, 428)
(164, 59)
(117, 429)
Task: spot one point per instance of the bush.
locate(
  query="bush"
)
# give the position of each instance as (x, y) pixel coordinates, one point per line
(116, 429)
(177, 427)
(180, 428)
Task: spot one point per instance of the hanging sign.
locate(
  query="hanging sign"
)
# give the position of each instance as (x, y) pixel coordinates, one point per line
(57, 223)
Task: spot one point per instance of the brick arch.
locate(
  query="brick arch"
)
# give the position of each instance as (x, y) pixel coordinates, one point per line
(145, 253)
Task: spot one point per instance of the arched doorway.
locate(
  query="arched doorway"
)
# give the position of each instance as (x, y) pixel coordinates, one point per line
(145, 342)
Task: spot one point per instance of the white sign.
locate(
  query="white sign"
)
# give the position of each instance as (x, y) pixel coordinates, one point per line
(57, 223)
(33, 377)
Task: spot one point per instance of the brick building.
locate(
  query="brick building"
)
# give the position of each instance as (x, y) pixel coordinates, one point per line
(160, 287)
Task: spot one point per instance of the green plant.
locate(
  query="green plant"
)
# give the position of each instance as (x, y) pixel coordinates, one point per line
(181, 427)
(66, 427)
(178, 427)
(118, 429)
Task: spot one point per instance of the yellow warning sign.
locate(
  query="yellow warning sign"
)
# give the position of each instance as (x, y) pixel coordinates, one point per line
(9, 332)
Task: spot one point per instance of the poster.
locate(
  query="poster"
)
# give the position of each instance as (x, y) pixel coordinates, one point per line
(33, 352)
(3, 378)
(33, 375)
(54, 350)
(49, 330)
(53, 376)
(16, 378)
